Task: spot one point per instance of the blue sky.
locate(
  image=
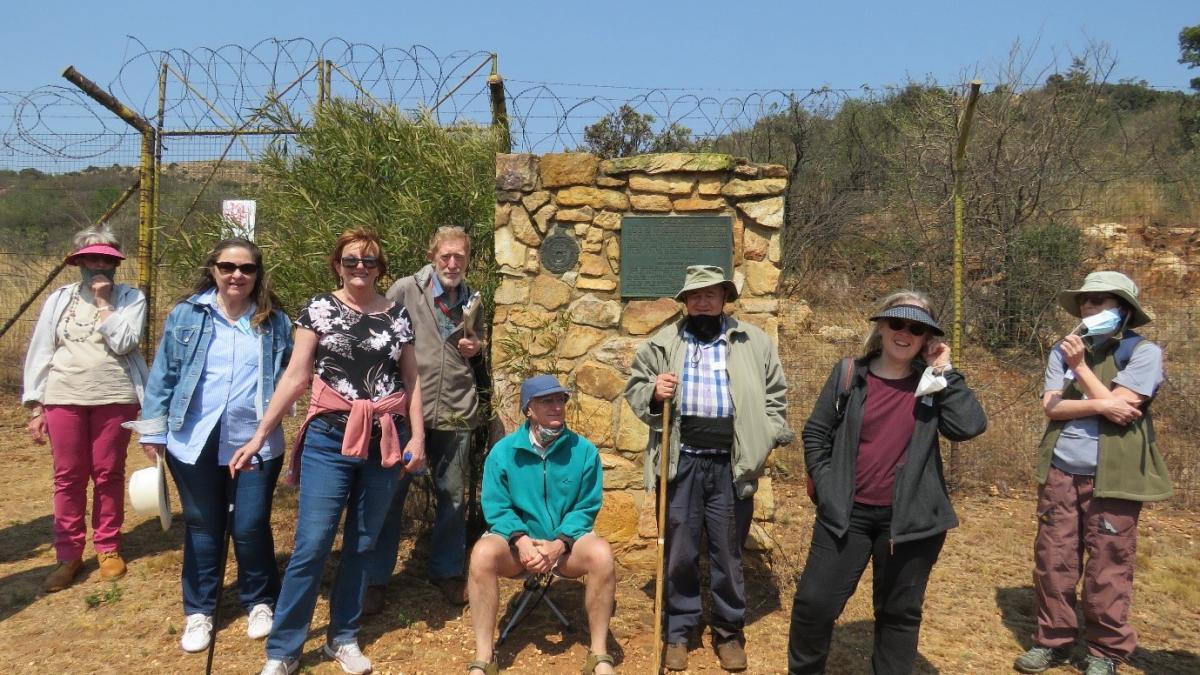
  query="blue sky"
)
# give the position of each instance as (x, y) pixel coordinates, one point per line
(694, 44)
(618, 48)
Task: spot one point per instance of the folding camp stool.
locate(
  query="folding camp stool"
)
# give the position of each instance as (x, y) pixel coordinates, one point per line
(534, 592)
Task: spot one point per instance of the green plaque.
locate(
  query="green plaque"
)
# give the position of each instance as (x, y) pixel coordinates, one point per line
(656, 251)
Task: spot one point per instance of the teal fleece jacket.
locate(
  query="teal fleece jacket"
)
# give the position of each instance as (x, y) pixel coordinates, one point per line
(546, 498)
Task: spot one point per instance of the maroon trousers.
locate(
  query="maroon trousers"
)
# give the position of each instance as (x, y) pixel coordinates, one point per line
(1072, 521)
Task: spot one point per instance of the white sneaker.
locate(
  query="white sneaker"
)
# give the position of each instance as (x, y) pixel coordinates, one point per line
(349, 657)
(196, 633)
(277, 667)
(259, 624)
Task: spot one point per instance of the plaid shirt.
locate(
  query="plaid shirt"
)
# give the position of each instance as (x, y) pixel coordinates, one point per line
(705, 391)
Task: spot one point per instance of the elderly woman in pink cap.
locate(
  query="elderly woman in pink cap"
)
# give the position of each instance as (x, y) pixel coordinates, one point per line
(84, 376)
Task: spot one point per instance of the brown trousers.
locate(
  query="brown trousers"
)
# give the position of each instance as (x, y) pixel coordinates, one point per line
(1071, 520)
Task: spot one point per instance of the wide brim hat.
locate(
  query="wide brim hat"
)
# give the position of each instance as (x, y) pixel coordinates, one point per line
(148, 493)
(910, 313)
(703, 276)
(1107, 282)
(95, 249)
(538, 386)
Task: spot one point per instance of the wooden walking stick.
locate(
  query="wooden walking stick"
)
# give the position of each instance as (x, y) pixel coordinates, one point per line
(664, 455)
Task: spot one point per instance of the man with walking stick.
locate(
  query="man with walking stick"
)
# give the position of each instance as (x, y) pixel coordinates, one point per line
(728, 410)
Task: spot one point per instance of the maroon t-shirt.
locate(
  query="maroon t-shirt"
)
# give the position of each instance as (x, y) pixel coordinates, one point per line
(887, 425)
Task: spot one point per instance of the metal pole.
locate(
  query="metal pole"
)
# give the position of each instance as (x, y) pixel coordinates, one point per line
(499, 106)
(107, 100)
(320, 83)
(964, 131)
(151, 297)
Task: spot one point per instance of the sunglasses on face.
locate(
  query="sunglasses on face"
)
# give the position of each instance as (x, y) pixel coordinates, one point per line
(229, 268)
(1095, 298)
(915, 329)
(350, 262)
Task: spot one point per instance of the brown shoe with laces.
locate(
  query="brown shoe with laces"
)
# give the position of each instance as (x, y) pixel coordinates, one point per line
(731, 654)
(112, 566)
(676, 656)
(63, 575)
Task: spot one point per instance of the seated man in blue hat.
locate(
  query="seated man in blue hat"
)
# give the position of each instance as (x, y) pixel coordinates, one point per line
(541, 493)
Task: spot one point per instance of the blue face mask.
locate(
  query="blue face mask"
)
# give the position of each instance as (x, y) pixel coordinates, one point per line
(545, 435)
(1102, 323)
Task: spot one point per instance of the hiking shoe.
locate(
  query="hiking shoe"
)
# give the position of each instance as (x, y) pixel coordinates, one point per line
(373, 600)
(197, 631)
(63, 575)
(112, 566)
(278, 667)
(1039, 658)
(258, 626)
(731, 654)
(1100, 665)
(454, 590)
(676, 656)
(349, 657)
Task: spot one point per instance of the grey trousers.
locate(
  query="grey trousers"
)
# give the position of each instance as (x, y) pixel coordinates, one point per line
(699, 500)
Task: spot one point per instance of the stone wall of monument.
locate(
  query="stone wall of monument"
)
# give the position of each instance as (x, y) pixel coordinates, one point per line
(574, 323)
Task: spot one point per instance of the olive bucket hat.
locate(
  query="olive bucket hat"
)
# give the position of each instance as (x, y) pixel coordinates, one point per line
(1107, 282)
(703, 276)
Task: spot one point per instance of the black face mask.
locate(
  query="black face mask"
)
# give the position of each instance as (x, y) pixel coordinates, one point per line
(705, 328)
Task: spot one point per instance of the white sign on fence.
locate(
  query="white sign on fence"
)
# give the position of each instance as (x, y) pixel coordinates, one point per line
(239, 217)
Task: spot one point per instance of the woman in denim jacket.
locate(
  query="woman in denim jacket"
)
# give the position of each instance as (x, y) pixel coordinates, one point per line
(222, 352)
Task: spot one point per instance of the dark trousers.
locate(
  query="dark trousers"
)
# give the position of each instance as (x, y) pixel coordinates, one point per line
(831, 575)
(205, 491)
(701, 499)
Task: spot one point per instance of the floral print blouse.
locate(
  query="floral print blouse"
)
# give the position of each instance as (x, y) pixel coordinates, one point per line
(357, 354)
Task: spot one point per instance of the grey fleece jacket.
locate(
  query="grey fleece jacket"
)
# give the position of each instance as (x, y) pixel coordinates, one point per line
(447, 381)
(920, 505)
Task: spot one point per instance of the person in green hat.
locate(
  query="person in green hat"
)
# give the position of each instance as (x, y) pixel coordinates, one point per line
(728, 397)
(1098, 464)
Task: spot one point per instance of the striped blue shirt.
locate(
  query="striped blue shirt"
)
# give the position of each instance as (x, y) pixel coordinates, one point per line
(704, 390)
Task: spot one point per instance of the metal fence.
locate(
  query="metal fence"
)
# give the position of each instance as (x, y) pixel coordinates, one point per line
(66, 158)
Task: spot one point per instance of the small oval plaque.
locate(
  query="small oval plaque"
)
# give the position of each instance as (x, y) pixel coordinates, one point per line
(559, 252)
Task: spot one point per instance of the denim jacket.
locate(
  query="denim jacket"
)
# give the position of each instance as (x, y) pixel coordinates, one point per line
(179, 362)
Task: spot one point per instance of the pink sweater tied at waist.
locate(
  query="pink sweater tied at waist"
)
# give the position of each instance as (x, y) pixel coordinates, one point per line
(362, 412)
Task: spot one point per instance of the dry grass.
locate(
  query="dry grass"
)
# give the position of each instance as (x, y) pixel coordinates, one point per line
(979, 613)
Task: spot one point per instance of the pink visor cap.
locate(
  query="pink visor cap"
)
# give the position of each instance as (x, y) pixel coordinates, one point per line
(95, 249)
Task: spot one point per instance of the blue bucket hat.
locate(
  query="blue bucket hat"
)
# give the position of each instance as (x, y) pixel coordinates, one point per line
(538, 386)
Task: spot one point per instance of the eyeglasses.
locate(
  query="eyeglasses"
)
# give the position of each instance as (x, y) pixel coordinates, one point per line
(229, 268)
(552, 400)
(914, 328)
(350, 262)
(1095, 298)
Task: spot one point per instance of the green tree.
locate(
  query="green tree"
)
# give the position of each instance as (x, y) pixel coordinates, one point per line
(627, 132)
(1189, 51)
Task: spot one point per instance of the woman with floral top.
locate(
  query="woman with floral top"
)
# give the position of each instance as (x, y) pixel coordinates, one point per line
(349, 451)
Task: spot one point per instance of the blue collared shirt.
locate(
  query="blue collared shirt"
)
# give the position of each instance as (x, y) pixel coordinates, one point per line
(226, 394)
(445, 325)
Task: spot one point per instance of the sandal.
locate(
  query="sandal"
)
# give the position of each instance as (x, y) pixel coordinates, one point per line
(593, 660)
(488, 667)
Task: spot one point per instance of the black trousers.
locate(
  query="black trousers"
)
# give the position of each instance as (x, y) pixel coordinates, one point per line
(701, 499)
(831, 575)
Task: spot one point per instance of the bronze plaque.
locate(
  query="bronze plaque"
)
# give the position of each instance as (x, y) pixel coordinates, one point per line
(656, 251)
(559, 252)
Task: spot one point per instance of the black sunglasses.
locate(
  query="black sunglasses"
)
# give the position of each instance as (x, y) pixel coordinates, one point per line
(916, 329)
(350, 262)
(244, 268)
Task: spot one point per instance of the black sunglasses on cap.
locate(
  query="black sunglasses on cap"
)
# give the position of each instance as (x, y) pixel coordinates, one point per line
(229, 268)
(914, 328)
(350, 262)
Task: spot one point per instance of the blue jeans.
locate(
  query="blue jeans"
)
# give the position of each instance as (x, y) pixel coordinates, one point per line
(448, 453)
(330, 481)
(205, 488)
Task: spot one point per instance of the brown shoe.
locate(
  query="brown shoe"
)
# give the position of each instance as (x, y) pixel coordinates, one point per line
(112, 567)
(63, 576)
(676, 656)
(454, 590)
(373, 600)
(731, 654)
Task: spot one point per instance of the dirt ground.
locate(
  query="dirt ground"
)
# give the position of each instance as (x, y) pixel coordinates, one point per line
(978, 615)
